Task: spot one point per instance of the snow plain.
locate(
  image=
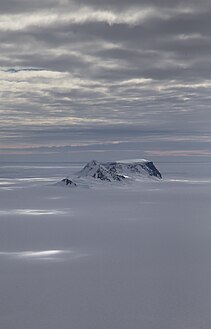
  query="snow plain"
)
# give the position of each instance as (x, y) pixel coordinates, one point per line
(125, 256)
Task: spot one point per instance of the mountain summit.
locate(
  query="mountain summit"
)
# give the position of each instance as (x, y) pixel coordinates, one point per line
(118, 171)
(98, 170)
(138, 167)
(113, 172)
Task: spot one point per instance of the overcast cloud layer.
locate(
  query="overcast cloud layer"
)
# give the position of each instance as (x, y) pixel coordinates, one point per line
(94, 74)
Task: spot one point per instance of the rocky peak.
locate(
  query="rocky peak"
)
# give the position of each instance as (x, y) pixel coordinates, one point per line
(69, 182)
(97, 170)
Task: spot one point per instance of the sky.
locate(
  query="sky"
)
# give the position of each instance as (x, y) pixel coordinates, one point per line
(116, 78)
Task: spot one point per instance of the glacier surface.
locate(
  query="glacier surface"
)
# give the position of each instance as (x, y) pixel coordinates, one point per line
(116, 256)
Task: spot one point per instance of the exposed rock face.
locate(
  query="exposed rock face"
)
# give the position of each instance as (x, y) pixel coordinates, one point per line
(132, 168)
(152, 170)
(118, 171)
(68, 182)
(97, 170)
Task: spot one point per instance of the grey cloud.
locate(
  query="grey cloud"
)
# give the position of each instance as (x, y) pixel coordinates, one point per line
(13, 6)
(128, 3)
(20, 6)
(154, 73)
(186, 23)
(15, 70)
(60, 63)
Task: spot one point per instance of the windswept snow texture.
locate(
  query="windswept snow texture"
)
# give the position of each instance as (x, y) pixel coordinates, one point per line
(125, 256)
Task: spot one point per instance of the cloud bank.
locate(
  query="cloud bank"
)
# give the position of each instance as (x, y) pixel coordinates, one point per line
(80, 73)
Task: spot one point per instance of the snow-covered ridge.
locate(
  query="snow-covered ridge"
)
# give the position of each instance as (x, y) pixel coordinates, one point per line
(143, 167)
(115, 171)
(101, 171)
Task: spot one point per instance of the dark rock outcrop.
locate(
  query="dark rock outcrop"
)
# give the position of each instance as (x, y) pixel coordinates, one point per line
(133, 168)
(97, 170)
(68, 182)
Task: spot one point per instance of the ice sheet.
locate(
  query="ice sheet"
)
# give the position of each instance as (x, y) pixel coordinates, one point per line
(107, 257)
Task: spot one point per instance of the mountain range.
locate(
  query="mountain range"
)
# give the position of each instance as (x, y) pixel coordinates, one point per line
(115, 171)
